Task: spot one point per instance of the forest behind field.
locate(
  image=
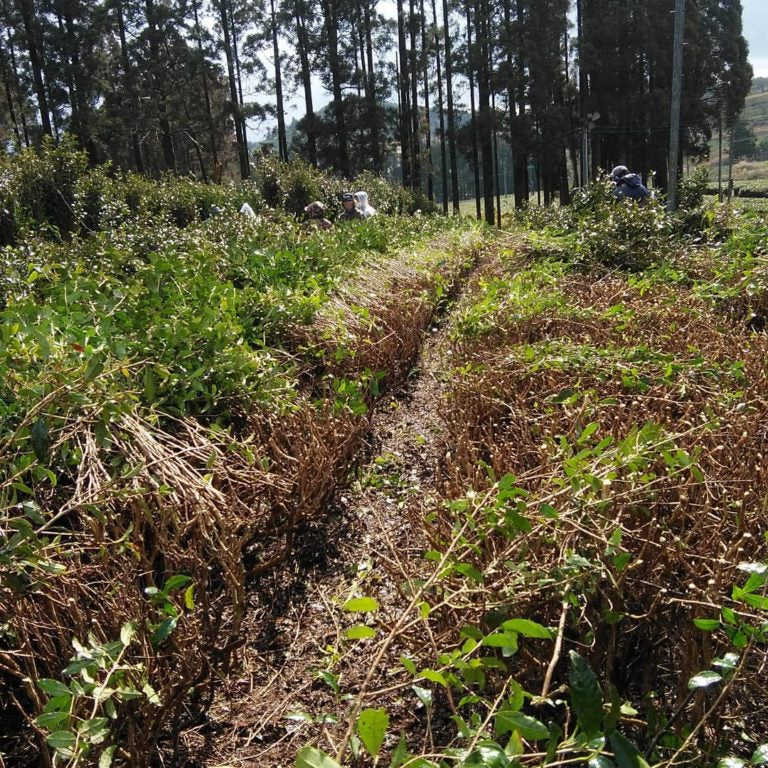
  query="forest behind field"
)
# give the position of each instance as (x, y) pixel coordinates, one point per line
(518, 92)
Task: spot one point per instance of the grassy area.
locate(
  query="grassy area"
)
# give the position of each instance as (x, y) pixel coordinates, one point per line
(757, 204)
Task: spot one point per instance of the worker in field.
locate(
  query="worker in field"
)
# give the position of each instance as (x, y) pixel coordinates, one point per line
(315, 213)
(351, 211)
(627, 186)
(361, 200)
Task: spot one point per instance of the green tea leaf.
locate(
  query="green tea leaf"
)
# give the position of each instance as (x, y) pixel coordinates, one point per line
(176, 582)
(528, 727)
(163, 631)
(527, 628)
(63, 741)
(52, 720)
(362, 605)
(400, 755)
(704, 679)
(151, 694)
(625, 752)
(40, 440)
(372, 727)
(728, 662)
(53, 687)
(433, 676)
(127, 633)
(708, 625)
(424, 695)
(760, 755)
(586, 697)
(506, 640)
(360, 632)
(105, 761)
(487, 755)
(309, 757)
(94, 730)
(601, 761)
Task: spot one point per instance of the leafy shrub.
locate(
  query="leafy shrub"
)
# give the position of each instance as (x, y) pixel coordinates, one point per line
(691, 189)
(596, 230)
(43, 184)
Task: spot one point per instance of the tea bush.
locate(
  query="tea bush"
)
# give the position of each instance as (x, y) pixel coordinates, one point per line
(170, 407)
(53, 193)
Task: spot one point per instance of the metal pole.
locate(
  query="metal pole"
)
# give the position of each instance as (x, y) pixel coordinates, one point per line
(720, 157)
(730, 165)
(677, 93)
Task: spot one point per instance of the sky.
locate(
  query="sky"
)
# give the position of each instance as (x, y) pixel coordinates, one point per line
(755, 20)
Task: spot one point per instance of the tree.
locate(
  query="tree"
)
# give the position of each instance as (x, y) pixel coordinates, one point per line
(744, 141)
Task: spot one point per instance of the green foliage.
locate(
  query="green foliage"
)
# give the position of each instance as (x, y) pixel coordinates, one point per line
(691, 190)
(79, 717)
(143, 331)
(372, 727)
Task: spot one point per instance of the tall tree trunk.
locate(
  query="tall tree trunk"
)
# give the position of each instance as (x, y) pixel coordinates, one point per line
(302, 39)
(376, 149)
(482, 27)
(428, 118)
(15, 75)
(130, 87)
(49, 80)
(471, 56)
(239, 79)
(451, 113)
(156, 70)
(7, 86)
(497, 189)
(584, 176)
(443, 159)
(31, 36)
(358, 39)
(511, 94)
(79, 85)
(69, 80)
(403, 112)
(242, 149)
(206, 93)
(282, 140)
(522, 186)
(331, 28)
(415, 120)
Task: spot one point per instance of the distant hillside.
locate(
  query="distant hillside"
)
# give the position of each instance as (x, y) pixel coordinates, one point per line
(755, 114)
(756, 108)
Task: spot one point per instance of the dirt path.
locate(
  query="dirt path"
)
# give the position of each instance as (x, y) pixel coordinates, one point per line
(287, 674)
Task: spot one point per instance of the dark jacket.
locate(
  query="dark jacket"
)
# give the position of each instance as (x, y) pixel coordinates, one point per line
(630, 186)
(353, 214)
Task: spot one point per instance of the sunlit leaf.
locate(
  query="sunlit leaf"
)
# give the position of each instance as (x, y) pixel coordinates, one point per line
(309, 757)
(372, 727)
(527, 628)
(360, 632)
(704, 679)
(362, 605)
